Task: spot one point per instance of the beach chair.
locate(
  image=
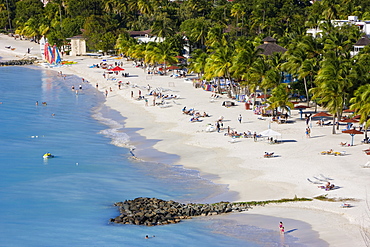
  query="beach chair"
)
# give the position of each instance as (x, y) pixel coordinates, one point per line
(327, 152)
(339, 153)
(367, 165)
(345, 205)
(313, 182)
(268, 155)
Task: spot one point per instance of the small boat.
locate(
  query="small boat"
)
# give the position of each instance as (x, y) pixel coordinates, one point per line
(48, 155)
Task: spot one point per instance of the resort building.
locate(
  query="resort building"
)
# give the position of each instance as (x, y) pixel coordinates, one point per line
(78, 45)
(364, 26)
(359, 45)
(144, 36)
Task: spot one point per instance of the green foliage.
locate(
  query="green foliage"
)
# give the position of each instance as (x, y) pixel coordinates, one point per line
(227, 34)
(327, 199)
(280, 98)
(283, 200)
(84, 8)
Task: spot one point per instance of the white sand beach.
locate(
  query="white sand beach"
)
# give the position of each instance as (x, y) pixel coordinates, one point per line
(239, 163)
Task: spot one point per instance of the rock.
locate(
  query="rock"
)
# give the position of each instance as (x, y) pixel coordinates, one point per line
(154, 211)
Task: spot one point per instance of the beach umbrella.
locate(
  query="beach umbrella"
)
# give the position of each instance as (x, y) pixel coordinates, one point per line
(117, 68)
(262, 96)
(321, 115)
(173, 67)
(270, 132)
(352, 133)
(349, 110)
(300, 108)
(349, 121)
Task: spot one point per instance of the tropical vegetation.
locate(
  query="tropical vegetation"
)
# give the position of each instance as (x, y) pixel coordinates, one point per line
(223, 38)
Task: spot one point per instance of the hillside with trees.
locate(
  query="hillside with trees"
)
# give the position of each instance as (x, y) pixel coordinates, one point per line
(223, 37)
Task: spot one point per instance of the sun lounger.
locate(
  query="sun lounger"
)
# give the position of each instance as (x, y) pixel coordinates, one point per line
(313, 182)
(345, 205)
(367, 165)
(339, 153)
(326, 178)
(268, 155)
(322, 180)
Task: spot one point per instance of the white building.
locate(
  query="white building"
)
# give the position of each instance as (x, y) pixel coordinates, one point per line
(364, 26)
(78, 45)
(360, 44)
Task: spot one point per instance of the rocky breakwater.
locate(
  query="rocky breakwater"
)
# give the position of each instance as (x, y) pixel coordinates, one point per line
(17, 62)
(153, 211)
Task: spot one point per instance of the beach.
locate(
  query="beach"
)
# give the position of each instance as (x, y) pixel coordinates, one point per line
(239, 164)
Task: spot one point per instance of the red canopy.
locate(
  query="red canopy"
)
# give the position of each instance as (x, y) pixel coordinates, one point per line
(117, 68)
(352, 132)
(301, 107)
(349, 120)
(173, 67)
(348, 110)
(180, 57)
(322, 114)
(263, 96)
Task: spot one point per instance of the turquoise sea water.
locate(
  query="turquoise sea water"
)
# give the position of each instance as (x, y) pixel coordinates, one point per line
(67, 200)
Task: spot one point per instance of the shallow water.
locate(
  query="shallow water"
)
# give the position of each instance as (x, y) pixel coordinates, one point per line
(67, 200)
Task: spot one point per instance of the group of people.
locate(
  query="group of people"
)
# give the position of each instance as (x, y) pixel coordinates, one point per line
(195, 115)
(308, 132)
(328, 186)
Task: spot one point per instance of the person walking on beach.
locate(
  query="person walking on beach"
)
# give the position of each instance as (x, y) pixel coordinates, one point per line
(255, 136)
(218, 126)
(106, 93)
(132, 94)
(308, 132)
(240, 118)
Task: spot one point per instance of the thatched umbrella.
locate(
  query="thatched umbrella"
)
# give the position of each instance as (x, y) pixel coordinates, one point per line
(352, 133)
(301, 108)
(321, 115)
(349, 121)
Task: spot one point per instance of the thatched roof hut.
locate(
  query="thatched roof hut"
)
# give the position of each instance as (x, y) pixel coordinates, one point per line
(269, 46)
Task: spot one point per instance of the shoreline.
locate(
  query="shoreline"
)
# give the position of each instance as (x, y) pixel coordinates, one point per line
(239, 165)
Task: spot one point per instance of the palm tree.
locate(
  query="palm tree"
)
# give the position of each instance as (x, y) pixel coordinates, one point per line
(198, 61)
(162, 52)
(332, 84)
(280, 98)
(124, 42)
(302, 61)
(237, 11)
(361, 105)
(220, 62)
(115, 6)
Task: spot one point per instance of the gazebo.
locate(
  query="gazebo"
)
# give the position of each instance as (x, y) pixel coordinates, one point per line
(269, 46)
